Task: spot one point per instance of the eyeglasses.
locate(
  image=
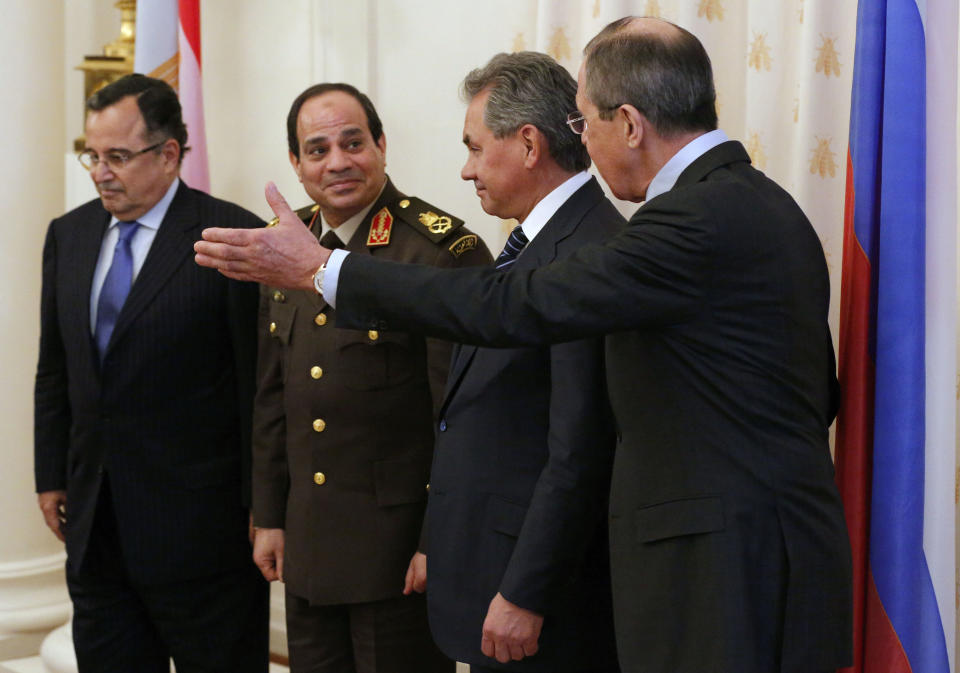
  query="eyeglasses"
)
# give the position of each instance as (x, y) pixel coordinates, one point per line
(116, 160)
(577, 121)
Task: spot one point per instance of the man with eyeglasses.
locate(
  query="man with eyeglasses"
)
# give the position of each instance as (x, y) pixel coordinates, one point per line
(143, 402)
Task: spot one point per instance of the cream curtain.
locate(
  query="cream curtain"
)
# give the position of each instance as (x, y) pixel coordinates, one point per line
(783, 72)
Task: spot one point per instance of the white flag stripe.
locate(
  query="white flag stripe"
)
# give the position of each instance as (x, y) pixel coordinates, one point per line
(195, 170)
(156, 34)
(941, 21)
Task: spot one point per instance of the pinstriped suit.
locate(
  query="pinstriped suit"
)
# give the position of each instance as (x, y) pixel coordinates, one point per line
(164, 422)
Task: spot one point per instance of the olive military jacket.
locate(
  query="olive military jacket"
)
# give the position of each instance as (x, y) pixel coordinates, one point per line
(343, 419)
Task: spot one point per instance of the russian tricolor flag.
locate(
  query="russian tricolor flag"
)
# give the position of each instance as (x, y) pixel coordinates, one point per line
(896, 432)
(168, 48)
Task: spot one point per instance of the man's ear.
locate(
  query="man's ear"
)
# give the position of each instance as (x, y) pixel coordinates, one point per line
(171, 151)
(634, 125)
(295, 163)
(534, 144)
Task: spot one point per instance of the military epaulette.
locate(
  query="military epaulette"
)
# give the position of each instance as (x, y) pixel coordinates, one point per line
(306, 214)
(429, 220)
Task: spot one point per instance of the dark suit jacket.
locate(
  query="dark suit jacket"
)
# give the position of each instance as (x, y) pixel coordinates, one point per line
(728, 545)
(349, 539)
(520, 477)
(166, 417)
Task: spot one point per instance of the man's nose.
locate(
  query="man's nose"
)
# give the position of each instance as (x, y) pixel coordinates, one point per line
(338, 160)
(467, 172)
(101, 172)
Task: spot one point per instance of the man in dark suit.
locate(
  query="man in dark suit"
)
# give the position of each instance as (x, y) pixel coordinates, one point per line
(517, 549)
(728, 545)
(143, 399)
(343, 419)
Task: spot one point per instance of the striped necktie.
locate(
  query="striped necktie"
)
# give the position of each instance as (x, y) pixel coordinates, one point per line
(116, 286)
(515, 243)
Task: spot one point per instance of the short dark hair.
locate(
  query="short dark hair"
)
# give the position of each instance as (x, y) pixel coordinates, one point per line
(528, 87)
(373, 119)
(669, 80)
(157, 101)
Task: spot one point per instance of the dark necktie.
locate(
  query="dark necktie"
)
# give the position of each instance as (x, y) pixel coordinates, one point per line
(331, 241)
(116, 286)
(515, 243)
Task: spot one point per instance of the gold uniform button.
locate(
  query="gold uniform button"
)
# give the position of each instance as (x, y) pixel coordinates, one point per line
(278, 295)
(319, 478)
(428, 488)
(321, 319)
(373, 334)
(319, 425)
(316, 372)
(404, 203)
(273, 327)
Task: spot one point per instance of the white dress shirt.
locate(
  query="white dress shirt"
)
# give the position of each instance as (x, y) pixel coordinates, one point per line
(667, 176)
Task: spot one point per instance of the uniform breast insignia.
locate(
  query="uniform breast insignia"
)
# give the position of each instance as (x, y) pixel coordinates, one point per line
(464, 244)
(437, 224)
(380, 227)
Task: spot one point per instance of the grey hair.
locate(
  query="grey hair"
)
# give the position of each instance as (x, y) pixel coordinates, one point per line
(668, 79)
(528, 87)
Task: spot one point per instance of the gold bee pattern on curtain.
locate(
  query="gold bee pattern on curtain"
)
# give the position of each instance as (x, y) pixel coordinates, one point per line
(783, 75)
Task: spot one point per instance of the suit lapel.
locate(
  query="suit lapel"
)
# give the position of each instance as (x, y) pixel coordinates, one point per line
(172, 245)
(87, 252)
(540, 251)
(459, 363)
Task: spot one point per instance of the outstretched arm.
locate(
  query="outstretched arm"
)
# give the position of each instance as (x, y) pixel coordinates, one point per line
(286, 255)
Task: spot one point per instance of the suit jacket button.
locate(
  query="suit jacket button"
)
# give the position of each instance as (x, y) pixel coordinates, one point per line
(319, 425)
(443, 425)
(321, 319)
(319, 478)
(316, 372)
(373, 335)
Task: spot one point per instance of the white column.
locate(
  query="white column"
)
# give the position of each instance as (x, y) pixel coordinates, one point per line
(33, 598)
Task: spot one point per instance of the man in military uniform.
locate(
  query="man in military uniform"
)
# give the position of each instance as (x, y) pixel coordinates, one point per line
(343, 420)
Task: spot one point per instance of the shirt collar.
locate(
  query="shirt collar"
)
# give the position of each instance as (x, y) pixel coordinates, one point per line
(153, 218)
(667, 176)
(550, 204)
(346, 229)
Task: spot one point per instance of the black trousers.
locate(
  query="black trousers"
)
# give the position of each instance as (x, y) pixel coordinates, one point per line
(388, 636)
(212, 624)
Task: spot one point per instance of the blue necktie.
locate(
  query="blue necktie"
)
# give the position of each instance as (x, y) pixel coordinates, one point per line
(515, 243)
(116, 286)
